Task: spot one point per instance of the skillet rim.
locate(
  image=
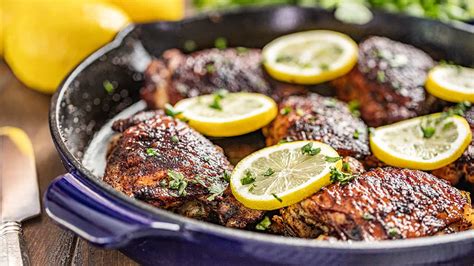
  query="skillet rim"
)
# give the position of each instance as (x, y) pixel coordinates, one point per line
(191, 225)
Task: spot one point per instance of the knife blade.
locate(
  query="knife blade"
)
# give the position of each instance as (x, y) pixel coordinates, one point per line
(19, 193)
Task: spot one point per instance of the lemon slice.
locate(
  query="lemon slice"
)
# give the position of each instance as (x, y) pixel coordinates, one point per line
(310, 57)
(425, 143)
(228, 114)
(284, 174)
(451, 83)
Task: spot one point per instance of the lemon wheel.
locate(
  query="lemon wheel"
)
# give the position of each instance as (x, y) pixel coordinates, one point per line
(451, 83)
(284, 174)
(310, 57)
(425, 143)
(227, 114)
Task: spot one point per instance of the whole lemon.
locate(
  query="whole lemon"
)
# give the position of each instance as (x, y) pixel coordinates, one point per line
(45, 39)
(151, 10)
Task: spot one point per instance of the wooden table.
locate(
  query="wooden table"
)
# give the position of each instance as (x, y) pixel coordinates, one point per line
(47, 243)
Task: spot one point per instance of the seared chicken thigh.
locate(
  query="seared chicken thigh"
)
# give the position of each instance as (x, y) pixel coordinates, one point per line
(388, 82)
(176, 75)
(385, 203)
(162, 161)
(324, 119)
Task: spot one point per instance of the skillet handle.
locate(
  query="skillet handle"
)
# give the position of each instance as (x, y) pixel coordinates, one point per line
(80, 206)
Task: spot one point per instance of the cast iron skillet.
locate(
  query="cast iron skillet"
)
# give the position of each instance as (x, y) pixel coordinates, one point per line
(80, 202)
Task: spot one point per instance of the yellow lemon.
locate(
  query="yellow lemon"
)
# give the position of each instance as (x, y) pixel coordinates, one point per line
(151, 10)
(45, 39)
(284, 174)
(451, 83)
(227, 114)
(426, 142)
(310, 57)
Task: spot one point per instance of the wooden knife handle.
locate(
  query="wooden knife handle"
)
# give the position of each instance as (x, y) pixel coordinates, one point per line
(12, 246)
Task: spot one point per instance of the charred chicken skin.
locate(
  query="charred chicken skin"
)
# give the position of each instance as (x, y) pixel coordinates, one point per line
(162, 161)
(324, 119)
(388, 82)
(384, 203)
(176, 76)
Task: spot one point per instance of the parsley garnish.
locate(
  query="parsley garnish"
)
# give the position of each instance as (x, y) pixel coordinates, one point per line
(241, 50)
(108, 87)
(355, 135)
(218, 96)
(299, 111)
(264, 224)
(368, 217)
(276, 197)
(428, 131)
(331, 102)
(354, 106)
(189, 46)
(177, 182)
(341, 177)
(170, 111)
(175, 139)
(283, 141)
(151, 152)
(393, 232)
(210, 68)
(309, 150)
(226, 176)
(252, 187)
(324, 66)
(216, 190)
(220, 43)
(269, 172)
(285, 110)
(380, 76)
(248, 178)
(346, 167)
(330, 159)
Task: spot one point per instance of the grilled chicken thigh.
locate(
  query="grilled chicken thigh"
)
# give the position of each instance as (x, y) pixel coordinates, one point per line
(388, 82)
(162, 161)
(385, 203)
(324, 119)
(176, 75)
(462, 168)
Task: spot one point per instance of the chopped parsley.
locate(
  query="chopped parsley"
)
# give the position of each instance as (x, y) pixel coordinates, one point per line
(368, 217)
(248, 178)
(284, 59)
(175, 139)
(393, 232)
(276, 197)
(330, 159)
(354, 106)
(200, 181)
(269, 172)
(286, 110)
(448, 126)
(283, 141)
(177, 182)
(341, 177)
(331, 102)
(241, 50)
(428, 131)
(310, 150)
(151, 152)
(252, 187)
(170, 111)
(215, 190)
(220, 43)
(355, 135)
(380, 76)
(346, 167)
(226, 176)
(324, 67)
(264, 224)
(108, 86)
(218, 96)
(189, 46)
(163, 183)
(210, 68)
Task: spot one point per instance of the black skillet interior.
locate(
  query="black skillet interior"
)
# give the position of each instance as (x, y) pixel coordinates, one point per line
(85, 105)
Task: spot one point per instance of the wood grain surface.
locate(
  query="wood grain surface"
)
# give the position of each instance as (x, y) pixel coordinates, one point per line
(47, 243)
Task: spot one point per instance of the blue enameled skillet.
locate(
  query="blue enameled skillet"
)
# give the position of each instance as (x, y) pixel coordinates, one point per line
(82, 203)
